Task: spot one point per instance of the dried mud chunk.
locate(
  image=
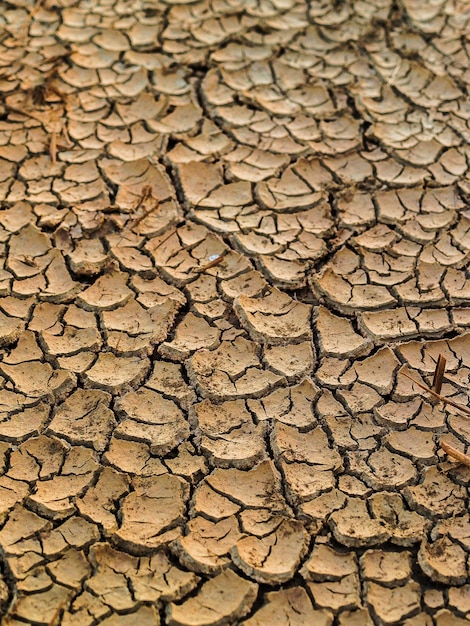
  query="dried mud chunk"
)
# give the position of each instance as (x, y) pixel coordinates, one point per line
(37, 380)
(446, 618)
(22, 524)
(11, 492)
(59, 285)
(321, 507)
(98, 504)
(459, 598)
(10, 329)
(289, 274)
(288, 607)
(250, 283)
(152, 514)
(397, 415)
(187, 463)
(84, 609)
(337, 335)
(152, 419)
(192, 333)
(133, 176)
(199, 179)
(386, 567)
(437, 495)
(272, 559)
(342, 594)
(222, 599)
(360, 398)
(325, 563)
(293, 360)
(457, 528)
(115, 374)
(353, 525)
(226, 433)
(348, 296)
(259, 487)
(443, 561)
(158, 579)
(85, 418)
(424, 358)
(457, 286)
(109, 577)
(71, 569)
(211, 504)
(359, 617)
(377, 370)
(72, 341)
(46, 317)
(288, 191)
(41, 607)
(108, 292)
(88, 258)
(29, 243)
(232, 370)
(54, 498)
(274, 318)
(406, 527)
(27, 349)
(385, 470)
(19, 215)
(47, 454)
(378, 237)
(417, 444)
(206, 547)
(393, 605)
(356, 209)
(144, 616)
(152, 577)
(133, 319)
(292, 406)
(15, 426)
(133, 457)
(155, 291)
(311, 447)
(167, 378)
(304, 481)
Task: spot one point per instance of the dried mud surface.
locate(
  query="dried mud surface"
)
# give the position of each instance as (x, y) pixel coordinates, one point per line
(227, 226)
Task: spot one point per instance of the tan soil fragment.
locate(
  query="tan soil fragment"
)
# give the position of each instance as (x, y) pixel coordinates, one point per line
(115, 374)
(289, 606)
(274, 318)
(224, 598)
(151, 515)
(151, 418)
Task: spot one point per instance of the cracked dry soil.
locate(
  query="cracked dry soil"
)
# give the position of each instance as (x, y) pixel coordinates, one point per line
(226, 227)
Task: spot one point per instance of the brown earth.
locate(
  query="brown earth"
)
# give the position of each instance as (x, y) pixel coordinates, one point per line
(227, 226)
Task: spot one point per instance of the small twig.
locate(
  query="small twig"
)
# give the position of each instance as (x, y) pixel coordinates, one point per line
(147, 194)
(53, 147)
(27, 260)
(214, 260)
(140, 219)
(456, 405)
(439, 374)
(455, 454)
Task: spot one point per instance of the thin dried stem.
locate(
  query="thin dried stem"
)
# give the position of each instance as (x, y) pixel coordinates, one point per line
(214, 260)
(455, 454)
(438, 396)
(439, 374)
(53, 147)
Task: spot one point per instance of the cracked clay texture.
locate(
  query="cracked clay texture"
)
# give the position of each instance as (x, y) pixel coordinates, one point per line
(227, 229)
